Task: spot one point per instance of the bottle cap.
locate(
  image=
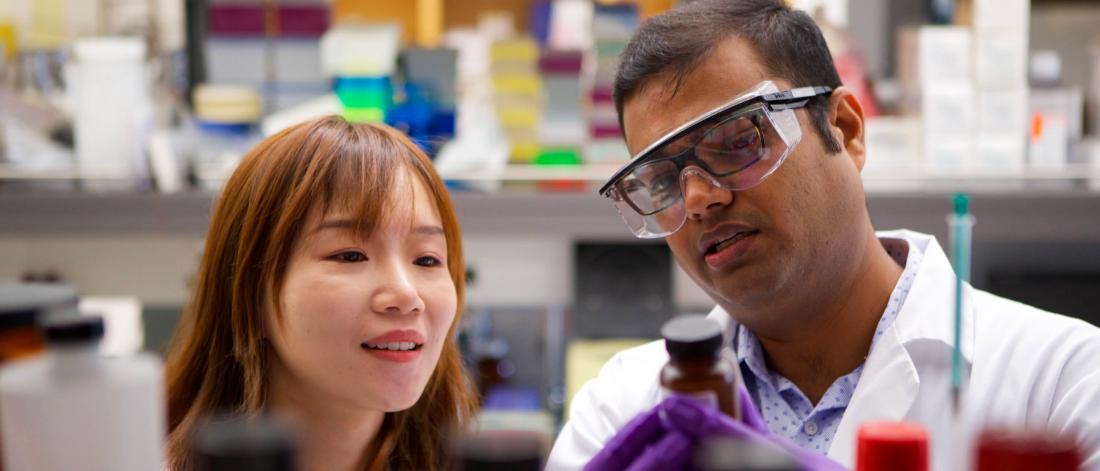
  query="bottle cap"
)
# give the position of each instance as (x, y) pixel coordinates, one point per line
(692, 337)
(67, 331)
(895, 446)
(254, 444)
(22, 303)
(1010, 450)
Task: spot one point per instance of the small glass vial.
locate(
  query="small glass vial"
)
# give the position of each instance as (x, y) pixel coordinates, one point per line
(696, 367)
(21, 307)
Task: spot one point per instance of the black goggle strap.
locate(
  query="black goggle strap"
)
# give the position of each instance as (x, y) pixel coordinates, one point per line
(794, 98)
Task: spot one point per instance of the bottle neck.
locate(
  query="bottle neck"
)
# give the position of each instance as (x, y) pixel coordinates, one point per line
(75, 359)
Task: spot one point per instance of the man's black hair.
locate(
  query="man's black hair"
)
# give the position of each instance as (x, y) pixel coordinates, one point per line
(787, 42)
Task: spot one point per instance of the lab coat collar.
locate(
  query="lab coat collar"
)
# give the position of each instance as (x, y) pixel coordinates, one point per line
(929, 311)
(889, 383)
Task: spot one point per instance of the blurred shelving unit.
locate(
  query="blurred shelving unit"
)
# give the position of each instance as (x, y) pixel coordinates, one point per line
(562, 202)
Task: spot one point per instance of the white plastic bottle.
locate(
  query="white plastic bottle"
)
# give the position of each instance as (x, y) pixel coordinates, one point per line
(73, 408)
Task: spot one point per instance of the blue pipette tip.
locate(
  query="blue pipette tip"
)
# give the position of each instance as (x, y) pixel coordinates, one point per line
(962, 203)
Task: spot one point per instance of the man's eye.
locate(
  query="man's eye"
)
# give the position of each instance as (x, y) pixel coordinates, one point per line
(350, 257)
(745, 141)
(428, 261)
(662, 188)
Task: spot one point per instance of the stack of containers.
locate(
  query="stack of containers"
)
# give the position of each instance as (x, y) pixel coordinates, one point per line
(562, 129)
(974, 93)
(612, 26)
(432, 73)
(225, 120)
(947, 98)
(239, 45)
(361, 58)
(1000, 78)
(517, 95)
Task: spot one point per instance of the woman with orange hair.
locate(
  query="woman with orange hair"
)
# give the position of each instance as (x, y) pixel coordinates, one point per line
(328, 293)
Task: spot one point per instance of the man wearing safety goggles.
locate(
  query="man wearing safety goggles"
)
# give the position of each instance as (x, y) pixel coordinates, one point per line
(747, 159)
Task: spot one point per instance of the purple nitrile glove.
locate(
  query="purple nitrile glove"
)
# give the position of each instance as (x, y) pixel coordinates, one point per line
(665, 437)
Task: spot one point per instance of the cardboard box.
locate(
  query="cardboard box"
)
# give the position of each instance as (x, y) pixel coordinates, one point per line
(1000, 153)
(1014, 15)
(944, 55)
(948, 154)
(948, 108)
(1000, 60)
(1002, 111)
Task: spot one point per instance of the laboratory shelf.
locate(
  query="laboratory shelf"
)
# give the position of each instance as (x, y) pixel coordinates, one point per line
(1008, 214)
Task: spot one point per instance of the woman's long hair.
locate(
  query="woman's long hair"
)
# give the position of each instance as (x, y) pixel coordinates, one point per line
(218, 360)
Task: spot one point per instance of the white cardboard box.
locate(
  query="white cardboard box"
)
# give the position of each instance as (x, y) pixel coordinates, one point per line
(948, 108)
(1003, 111)
(1000, 153)
(1002, 15)
(944, 55)
(948, 153)
(1000, 59)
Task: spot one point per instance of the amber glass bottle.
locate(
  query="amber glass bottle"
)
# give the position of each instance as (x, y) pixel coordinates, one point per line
(696, 367)
(19, 336)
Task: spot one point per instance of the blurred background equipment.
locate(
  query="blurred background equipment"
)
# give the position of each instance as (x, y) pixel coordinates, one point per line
(121, 119)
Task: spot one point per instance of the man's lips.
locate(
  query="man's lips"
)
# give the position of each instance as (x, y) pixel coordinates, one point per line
(729, 252)
(724, 233)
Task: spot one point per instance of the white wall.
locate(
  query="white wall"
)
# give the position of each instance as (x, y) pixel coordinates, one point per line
(156, 269)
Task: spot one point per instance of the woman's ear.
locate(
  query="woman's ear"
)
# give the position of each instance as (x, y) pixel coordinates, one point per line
(846, 123)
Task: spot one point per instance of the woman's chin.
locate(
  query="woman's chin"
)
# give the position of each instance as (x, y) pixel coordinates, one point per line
(396, 401)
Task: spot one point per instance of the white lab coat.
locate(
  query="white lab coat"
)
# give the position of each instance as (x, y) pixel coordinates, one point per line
(1027, 368)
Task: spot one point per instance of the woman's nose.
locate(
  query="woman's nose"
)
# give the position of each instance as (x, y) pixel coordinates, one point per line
(396, 293)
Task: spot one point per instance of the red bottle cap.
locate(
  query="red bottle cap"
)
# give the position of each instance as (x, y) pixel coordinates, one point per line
(1010, 450)
(894, 446)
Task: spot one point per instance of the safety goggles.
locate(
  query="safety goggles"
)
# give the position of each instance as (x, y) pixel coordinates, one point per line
(734, 146)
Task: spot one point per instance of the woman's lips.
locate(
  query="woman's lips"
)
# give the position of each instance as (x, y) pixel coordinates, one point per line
(397, 356)
(401, 346)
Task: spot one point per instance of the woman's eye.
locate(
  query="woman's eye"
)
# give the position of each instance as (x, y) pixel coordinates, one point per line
(349, 257)
(428, 261)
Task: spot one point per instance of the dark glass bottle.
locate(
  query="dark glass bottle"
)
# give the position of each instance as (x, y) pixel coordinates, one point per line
(696, 367)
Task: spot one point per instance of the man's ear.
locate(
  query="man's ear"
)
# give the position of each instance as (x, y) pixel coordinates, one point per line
(846, 123)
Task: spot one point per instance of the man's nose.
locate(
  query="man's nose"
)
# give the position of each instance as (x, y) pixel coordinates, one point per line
(702, 193)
